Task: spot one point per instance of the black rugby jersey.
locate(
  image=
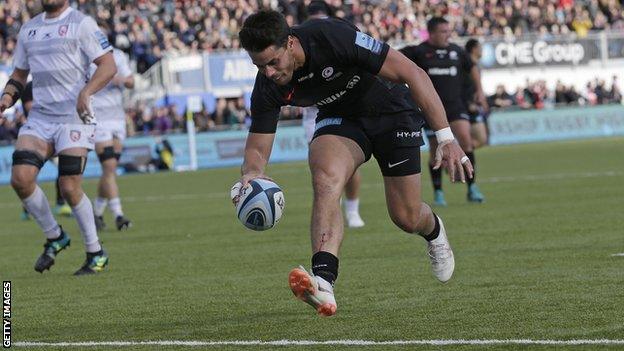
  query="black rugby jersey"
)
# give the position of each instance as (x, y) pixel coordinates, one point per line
(447, 67)
(338, 76)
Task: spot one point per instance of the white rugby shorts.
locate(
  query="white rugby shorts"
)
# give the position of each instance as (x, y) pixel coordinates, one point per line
(62, 135)
(108, 130)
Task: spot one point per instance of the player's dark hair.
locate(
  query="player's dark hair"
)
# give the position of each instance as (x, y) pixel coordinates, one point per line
(263, 29)
(471, 44)
(434, 22)
(319, 7)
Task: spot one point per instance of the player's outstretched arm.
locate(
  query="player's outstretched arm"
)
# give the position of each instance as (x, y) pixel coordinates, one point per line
(13, 90)
(400, 69)
(257, 152)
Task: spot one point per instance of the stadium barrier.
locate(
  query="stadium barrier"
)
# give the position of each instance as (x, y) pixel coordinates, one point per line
(225, 149)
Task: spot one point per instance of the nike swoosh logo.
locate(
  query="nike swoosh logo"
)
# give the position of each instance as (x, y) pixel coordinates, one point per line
(390, 165)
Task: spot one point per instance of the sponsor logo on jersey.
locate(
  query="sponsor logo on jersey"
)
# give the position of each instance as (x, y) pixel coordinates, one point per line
(102, 39)
(369, 43)
(330, 99)
(327, 72)
(32, 33)
(353, 82)
(437, 71)
(63, 30)
(453, 55)
(305, 77)
(328, 122)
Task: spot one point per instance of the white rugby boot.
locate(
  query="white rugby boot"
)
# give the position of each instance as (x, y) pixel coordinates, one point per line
(441, 256)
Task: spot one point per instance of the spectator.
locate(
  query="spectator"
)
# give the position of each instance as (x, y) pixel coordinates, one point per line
(500, 99)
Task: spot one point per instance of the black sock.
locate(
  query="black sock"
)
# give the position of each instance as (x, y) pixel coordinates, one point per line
(471, 157)
(59, 199)
(436, 230)
(436, 177)
(325, 265)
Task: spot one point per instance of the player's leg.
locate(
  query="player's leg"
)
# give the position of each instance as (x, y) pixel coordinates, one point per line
(399, 161)
(61, 208)
(29, 156)
(413, 216)
(333, 159)
(105, 152)
(461, 130)
(114, 201)
(73, 143)
(478, 131)
(352, 201)
(436, 174)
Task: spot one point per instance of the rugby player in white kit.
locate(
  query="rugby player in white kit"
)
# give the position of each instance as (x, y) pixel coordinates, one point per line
(110, 133)
(57, 47)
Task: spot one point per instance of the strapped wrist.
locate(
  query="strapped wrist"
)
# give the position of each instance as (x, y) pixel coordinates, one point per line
(444, 135)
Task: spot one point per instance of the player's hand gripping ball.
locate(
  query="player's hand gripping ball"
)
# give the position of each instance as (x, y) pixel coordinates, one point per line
(259, 206)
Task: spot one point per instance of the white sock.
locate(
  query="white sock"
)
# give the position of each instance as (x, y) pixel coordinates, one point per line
(99, 206)
(352, 205)
(38, 207)
(115, 206)
(84, 215)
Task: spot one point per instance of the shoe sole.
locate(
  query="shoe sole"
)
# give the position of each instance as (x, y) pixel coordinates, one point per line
(301, 285)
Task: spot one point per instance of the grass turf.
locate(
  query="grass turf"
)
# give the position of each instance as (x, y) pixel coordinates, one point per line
(533, 262)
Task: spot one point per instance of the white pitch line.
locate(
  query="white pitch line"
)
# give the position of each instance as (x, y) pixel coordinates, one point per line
(621, 254)
(440, 342)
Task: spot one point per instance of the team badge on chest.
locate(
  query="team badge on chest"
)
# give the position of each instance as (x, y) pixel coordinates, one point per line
(74, 135)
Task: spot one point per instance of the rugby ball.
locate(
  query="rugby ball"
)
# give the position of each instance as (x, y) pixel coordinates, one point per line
(260, 205)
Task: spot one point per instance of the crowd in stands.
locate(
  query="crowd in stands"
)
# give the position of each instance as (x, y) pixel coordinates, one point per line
(147, 29)
(535, 95)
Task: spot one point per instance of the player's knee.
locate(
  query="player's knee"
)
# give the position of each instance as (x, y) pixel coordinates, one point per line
(22, 182)
(70, 189)
(409, 218)
(327, 182)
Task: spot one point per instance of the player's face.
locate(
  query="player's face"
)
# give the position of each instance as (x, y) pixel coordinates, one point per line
(276, 63)
(441, 35)
(478, 52)
(52, 5)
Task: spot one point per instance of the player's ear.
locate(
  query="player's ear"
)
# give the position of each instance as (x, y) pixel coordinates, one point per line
(291, 41)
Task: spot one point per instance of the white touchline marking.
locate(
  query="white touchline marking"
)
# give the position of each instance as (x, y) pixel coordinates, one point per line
(618, 254)
(439, 342)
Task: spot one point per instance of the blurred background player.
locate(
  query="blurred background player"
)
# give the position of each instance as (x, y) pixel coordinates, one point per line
(61, 208)
(447, 64)
(57, 47)
(110, 133)
(478, 115)
(320, 9)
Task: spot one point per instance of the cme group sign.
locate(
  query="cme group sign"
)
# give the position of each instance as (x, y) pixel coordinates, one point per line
(504, 54)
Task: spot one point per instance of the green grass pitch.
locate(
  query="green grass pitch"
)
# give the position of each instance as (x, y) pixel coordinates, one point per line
(533, 262)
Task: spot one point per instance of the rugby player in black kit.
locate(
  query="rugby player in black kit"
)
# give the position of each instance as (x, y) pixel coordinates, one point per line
(448, 65)
(349, 76)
